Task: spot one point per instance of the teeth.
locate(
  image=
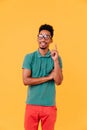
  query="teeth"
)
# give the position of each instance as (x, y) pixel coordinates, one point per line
(43, 43)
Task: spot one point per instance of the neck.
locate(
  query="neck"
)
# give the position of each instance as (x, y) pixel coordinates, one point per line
(43, 51)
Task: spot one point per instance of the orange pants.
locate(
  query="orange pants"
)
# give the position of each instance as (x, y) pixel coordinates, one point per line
(45, 114)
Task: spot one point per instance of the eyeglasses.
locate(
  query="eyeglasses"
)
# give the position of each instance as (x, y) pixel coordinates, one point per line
(45, 36)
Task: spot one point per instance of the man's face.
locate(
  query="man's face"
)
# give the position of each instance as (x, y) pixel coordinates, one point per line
(44, 39)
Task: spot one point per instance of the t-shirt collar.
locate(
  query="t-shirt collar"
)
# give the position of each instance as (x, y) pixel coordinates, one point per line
(47, 54)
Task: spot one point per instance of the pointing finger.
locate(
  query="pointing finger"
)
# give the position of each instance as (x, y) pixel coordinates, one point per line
(55, 47)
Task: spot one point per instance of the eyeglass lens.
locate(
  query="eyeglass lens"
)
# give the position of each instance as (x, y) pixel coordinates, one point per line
(41, 36)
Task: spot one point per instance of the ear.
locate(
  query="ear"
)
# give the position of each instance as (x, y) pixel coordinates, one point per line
(51, 40)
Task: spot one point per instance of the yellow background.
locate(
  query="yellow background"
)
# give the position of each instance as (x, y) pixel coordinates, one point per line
(19, 23)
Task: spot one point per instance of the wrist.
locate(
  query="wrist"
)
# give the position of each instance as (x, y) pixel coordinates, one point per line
(49, 77)
(56, 61)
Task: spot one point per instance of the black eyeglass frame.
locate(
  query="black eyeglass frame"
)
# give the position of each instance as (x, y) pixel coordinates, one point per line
(45, 36)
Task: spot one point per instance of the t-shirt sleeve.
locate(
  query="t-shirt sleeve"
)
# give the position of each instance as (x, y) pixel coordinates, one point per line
(60, 62)
(27, 62)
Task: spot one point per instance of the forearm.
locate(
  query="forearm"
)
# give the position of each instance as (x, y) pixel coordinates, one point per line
(58, 77)
(36, 81)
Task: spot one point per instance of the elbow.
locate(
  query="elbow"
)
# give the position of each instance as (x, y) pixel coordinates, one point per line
(25, 82)
(59, 81)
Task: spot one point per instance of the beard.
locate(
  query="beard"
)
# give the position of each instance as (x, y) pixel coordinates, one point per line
(43, 48)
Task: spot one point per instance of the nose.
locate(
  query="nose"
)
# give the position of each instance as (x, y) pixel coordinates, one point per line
(43, 39)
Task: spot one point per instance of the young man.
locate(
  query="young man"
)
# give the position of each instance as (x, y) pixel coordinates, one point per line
(42, 69)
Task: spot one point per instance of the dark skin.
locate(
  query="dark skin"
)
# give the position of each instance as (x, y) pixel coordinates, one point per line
(56, 74)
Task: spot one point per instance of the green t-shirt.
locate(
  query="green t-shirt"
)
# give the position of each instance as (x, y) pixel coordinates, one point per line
(40, 66)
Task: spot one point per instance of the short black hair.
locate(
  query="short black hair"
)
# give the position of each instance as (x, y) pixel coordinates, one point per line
(48, 28)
